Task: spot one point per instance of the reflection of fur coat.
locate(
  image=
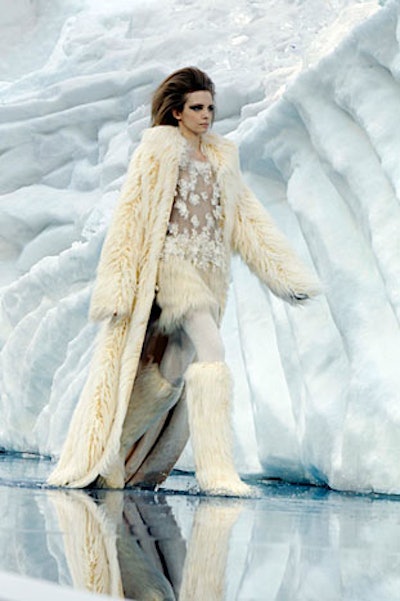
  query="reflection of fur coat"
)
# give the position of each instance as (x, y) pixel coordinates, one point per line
(126, 280)
(123, 546)
(132, 546)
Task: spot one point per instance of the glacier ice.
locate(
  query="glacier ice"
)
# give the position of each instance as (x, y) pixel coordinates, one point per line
(317, 388)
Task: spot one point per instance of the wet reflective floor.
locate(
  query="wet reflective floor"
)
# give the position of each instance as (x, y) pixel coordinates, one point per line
(292, 543)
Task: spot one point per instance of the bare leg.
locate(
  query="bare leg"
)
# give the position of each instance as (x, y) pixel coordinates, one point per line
(198, 337)
(201, 328)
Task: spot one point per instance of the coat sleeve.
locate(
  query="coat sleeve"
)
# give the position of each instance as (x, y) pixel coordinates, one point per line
(115, 285)
(268, 253)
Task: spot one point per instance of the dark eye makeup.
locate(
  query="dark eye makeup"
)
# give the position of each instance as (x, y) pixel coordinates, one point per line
(199, 107)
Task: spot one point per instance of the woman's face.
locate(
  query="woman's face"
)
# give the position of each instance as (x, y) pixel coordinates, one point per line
(196, 116)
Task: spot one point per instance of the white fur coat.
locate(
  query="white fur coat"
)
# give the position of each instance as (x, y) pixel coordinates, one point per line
(126, 279)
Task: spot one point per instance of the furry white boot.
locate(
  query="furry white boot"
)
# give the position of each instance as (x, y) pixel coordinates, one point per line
(208, 394)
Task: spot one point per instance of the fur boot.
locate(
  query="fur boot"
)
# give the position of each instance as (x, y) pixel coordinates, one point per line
(208, 393)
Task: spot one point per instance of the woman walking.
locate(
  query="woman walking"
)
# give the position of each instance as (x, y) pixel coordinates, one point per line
(161, 290)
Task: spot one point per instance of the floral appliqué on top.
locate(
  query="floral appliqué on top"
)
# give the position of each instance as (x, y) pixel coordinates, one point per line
(194, 230)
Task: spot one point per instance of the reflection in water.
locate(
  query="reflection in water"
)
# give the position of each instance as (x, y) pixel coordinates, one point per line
(206, 558)
(151, 550)
(90, 535)
(125, 546)
(295, 543)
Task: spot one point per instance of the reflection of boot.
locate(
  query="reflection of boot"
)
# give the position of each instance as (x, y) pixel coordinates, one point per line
(152, 397)
(204, 573)
(208, 392)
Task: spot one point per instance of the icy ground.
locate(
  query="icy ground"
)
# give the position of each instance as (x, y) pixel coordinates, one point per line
(317, 389)
(294, 543)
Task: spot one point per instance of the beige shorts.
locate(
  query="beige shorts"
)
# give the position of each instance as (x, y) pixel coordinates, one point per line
(183, 288)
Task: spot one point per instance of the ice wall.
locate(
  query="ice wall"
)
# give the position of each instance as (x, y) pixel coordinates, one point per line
(331, 147)
(317, 388)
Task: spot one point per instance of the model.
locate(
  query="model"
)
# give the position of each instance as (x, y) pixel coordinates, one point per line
(160, 292)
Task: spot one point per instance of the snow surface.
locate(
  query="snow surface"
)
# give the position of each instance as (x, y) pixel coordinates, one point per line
(316, 119)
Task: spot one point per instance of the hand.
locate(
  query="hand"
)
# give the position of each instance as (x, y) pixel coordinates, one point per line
(298, 297)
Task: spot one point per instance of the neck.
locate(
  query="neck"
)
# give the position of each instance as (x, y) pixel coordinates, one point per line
(193, 139)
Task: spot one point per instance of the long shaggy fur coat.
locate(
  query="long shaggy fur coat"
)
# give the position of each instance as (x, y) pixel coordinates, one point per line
(126, 281)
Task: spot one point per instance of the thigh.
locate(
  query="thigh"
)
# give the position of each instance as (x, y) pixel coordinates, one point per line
(204, 334)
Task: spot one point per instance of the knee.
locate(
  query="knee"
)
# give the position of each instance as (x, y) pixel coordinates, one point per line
(205, 337)
(217, 350)
(211, 349)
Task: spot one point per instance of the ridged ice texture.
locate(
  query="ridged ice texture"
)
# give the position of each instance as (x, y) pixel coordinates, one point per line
(331, 147)
(317, 388)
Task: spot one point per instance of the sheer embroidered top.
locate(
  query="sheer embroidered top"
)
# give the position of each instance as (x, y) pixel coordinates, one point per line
(194, 230)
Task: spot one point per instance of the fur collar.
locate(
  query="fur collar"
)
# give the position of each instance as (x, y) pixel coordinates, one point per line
(167, 141)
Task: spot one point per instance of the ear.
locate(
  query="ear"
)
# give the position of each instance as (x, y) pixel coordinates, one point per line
(176, 114)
